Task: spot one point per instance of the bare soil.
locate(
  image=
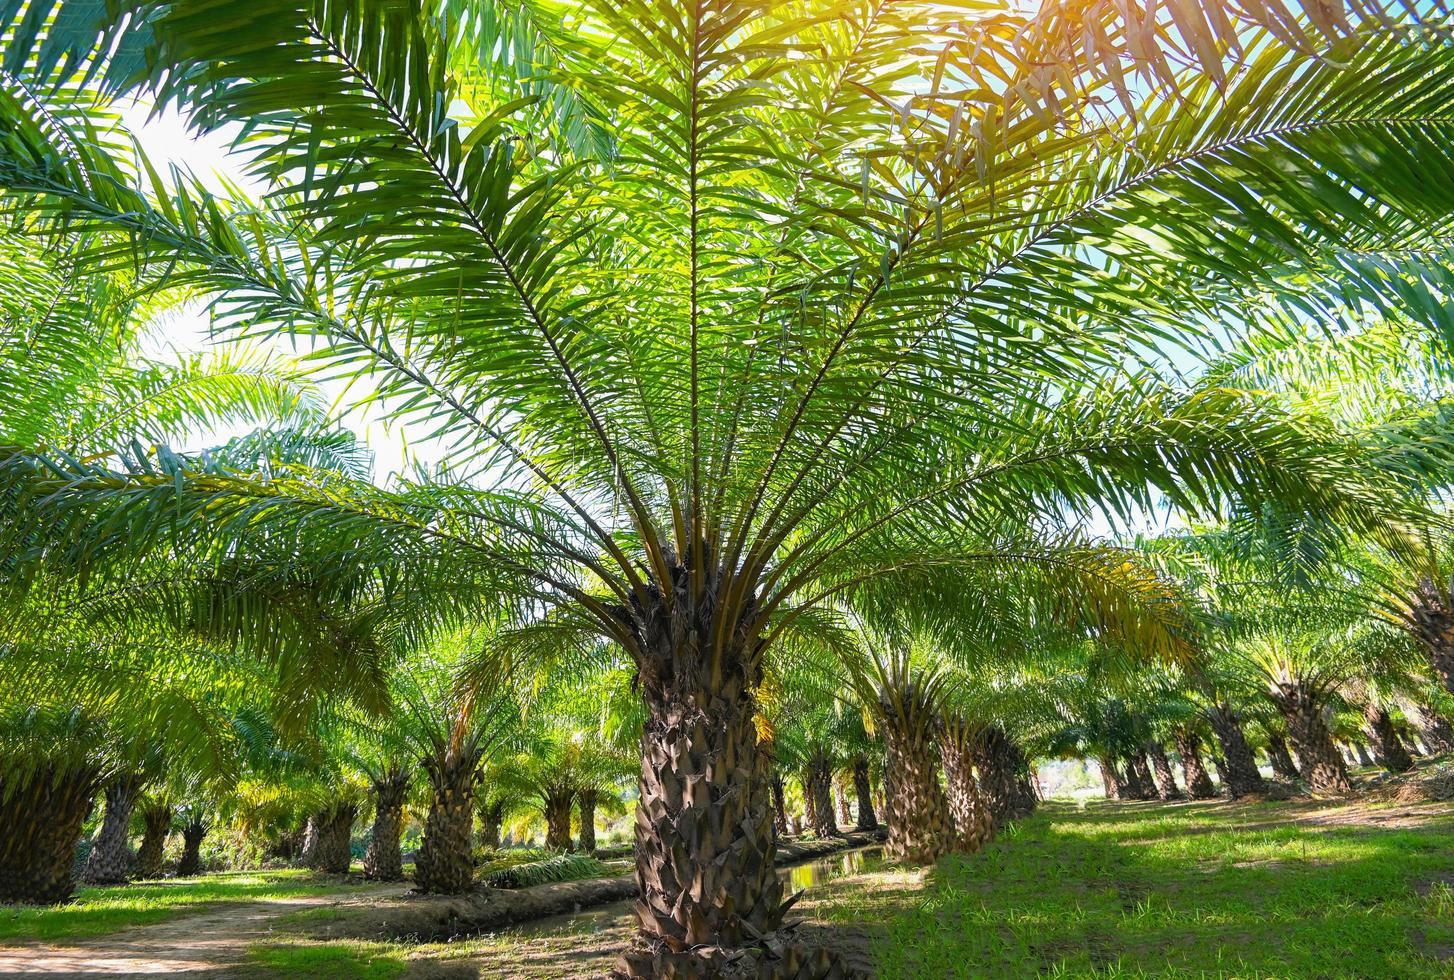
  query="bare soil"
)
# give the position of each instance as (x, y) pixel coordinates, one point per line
(208, 943)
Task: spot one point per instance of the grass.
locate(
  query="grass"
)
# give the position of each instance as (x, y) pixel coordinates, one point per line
(98, 911)
(338, 960)
(1114, 891)
(1110, 890)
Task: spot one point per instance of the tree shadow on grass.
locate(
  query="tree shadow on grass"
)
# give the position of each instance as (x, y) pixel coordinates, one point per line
(1147, 893)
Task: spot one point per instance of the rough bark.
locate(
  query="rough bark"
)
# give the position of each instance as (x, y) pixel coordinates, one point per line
(1280, 758)
(1221, 769)
(1317, 755)
(1110, 777)
(710, 901)
(557, 803)
(1004, 775)
(335, 837)
(109, 862)
(779, 806)
(308, 853)
(42, 817)
(1138, 777)
(384, 859)
(1242, 776)
(586, 804)
(445, 862)
(818, 789)
(845, 812)
(1166, 787)
(1392, 754)
(1438, 734)
(1198, 783)
(974, 820)
(863, 789)
(921, 826)
(192, 833)
(156, 816)
(492, 817)
(1360, 752)
(1431, 620)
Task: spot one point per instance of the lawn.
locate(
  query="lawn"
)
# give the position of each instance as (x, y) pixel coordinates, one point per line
(1107, 890)
(99, 911)
(1118, 890)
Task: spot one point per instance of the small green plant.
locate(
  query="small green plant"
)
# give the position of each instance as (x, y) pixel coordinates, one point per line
(562, 867)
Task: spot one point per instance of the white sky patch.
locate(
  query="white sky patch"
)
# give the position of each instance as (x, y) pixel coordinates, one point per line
(167, 140)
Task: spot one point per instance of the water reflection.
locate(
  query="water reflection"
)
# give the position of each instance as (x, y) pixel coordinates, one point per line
(834, 866)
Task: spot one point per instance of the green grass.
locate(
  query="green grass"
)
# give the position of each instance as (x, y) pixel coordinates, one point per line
(1168, 891)
(339, 960)
(98, 911)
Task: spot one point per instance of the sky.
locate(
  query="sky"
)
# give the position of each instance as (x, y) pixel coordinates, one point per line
(166, 139)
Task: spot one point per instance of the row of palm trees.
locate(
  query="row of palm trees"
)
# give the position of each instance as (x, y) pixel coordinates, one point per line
(754, 336)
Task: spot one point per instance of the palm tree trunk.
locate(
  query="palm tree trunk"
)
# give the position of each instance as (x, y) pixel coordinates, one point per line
(1438, 734)
(192, 833)
(1027, 788)
(1360, 752)
(1138, 774)
(1166, 787)
(1242, 776)
(840, 792)
(921, 826)
(1391, 751)
(1281, 759)
(42, 817)
(445, 862)
(557, 803)
(586, 802)
(334, 839)
(818, 788)
(779, 806)
(308, 853)
(1198, 783)
(1003, 775)
(863, 789)
(157, 817)
(492, 816)
(705, 845)
(110, 859)
(1431, 620)
(1110, 777)
(974, 821)
(1317, 755)
(384, 860)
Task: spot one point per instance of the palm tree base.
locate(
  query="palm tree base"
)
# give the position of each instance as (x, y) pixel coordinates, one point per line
(384, 861)
(776, 957)
(1242, 777)
(42, 821)
(445, 862)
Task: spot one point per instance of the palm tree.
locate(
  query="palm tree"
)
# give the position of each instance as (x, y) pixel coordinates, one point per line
(736, 331)
(454, 732)
(811, 741)
(157, 815)
(51, 775)
(110, 859)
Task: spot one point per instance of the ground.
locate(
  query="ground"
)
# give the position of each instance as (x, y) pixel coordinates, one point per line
(1290, 889)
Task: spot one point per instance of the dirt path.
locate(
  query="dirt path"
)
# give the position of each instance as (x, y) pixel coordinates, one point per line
(209, 943)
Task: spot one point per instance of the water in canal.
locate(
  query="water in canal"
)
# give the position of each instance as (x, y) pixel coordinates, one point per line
(798, 877)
